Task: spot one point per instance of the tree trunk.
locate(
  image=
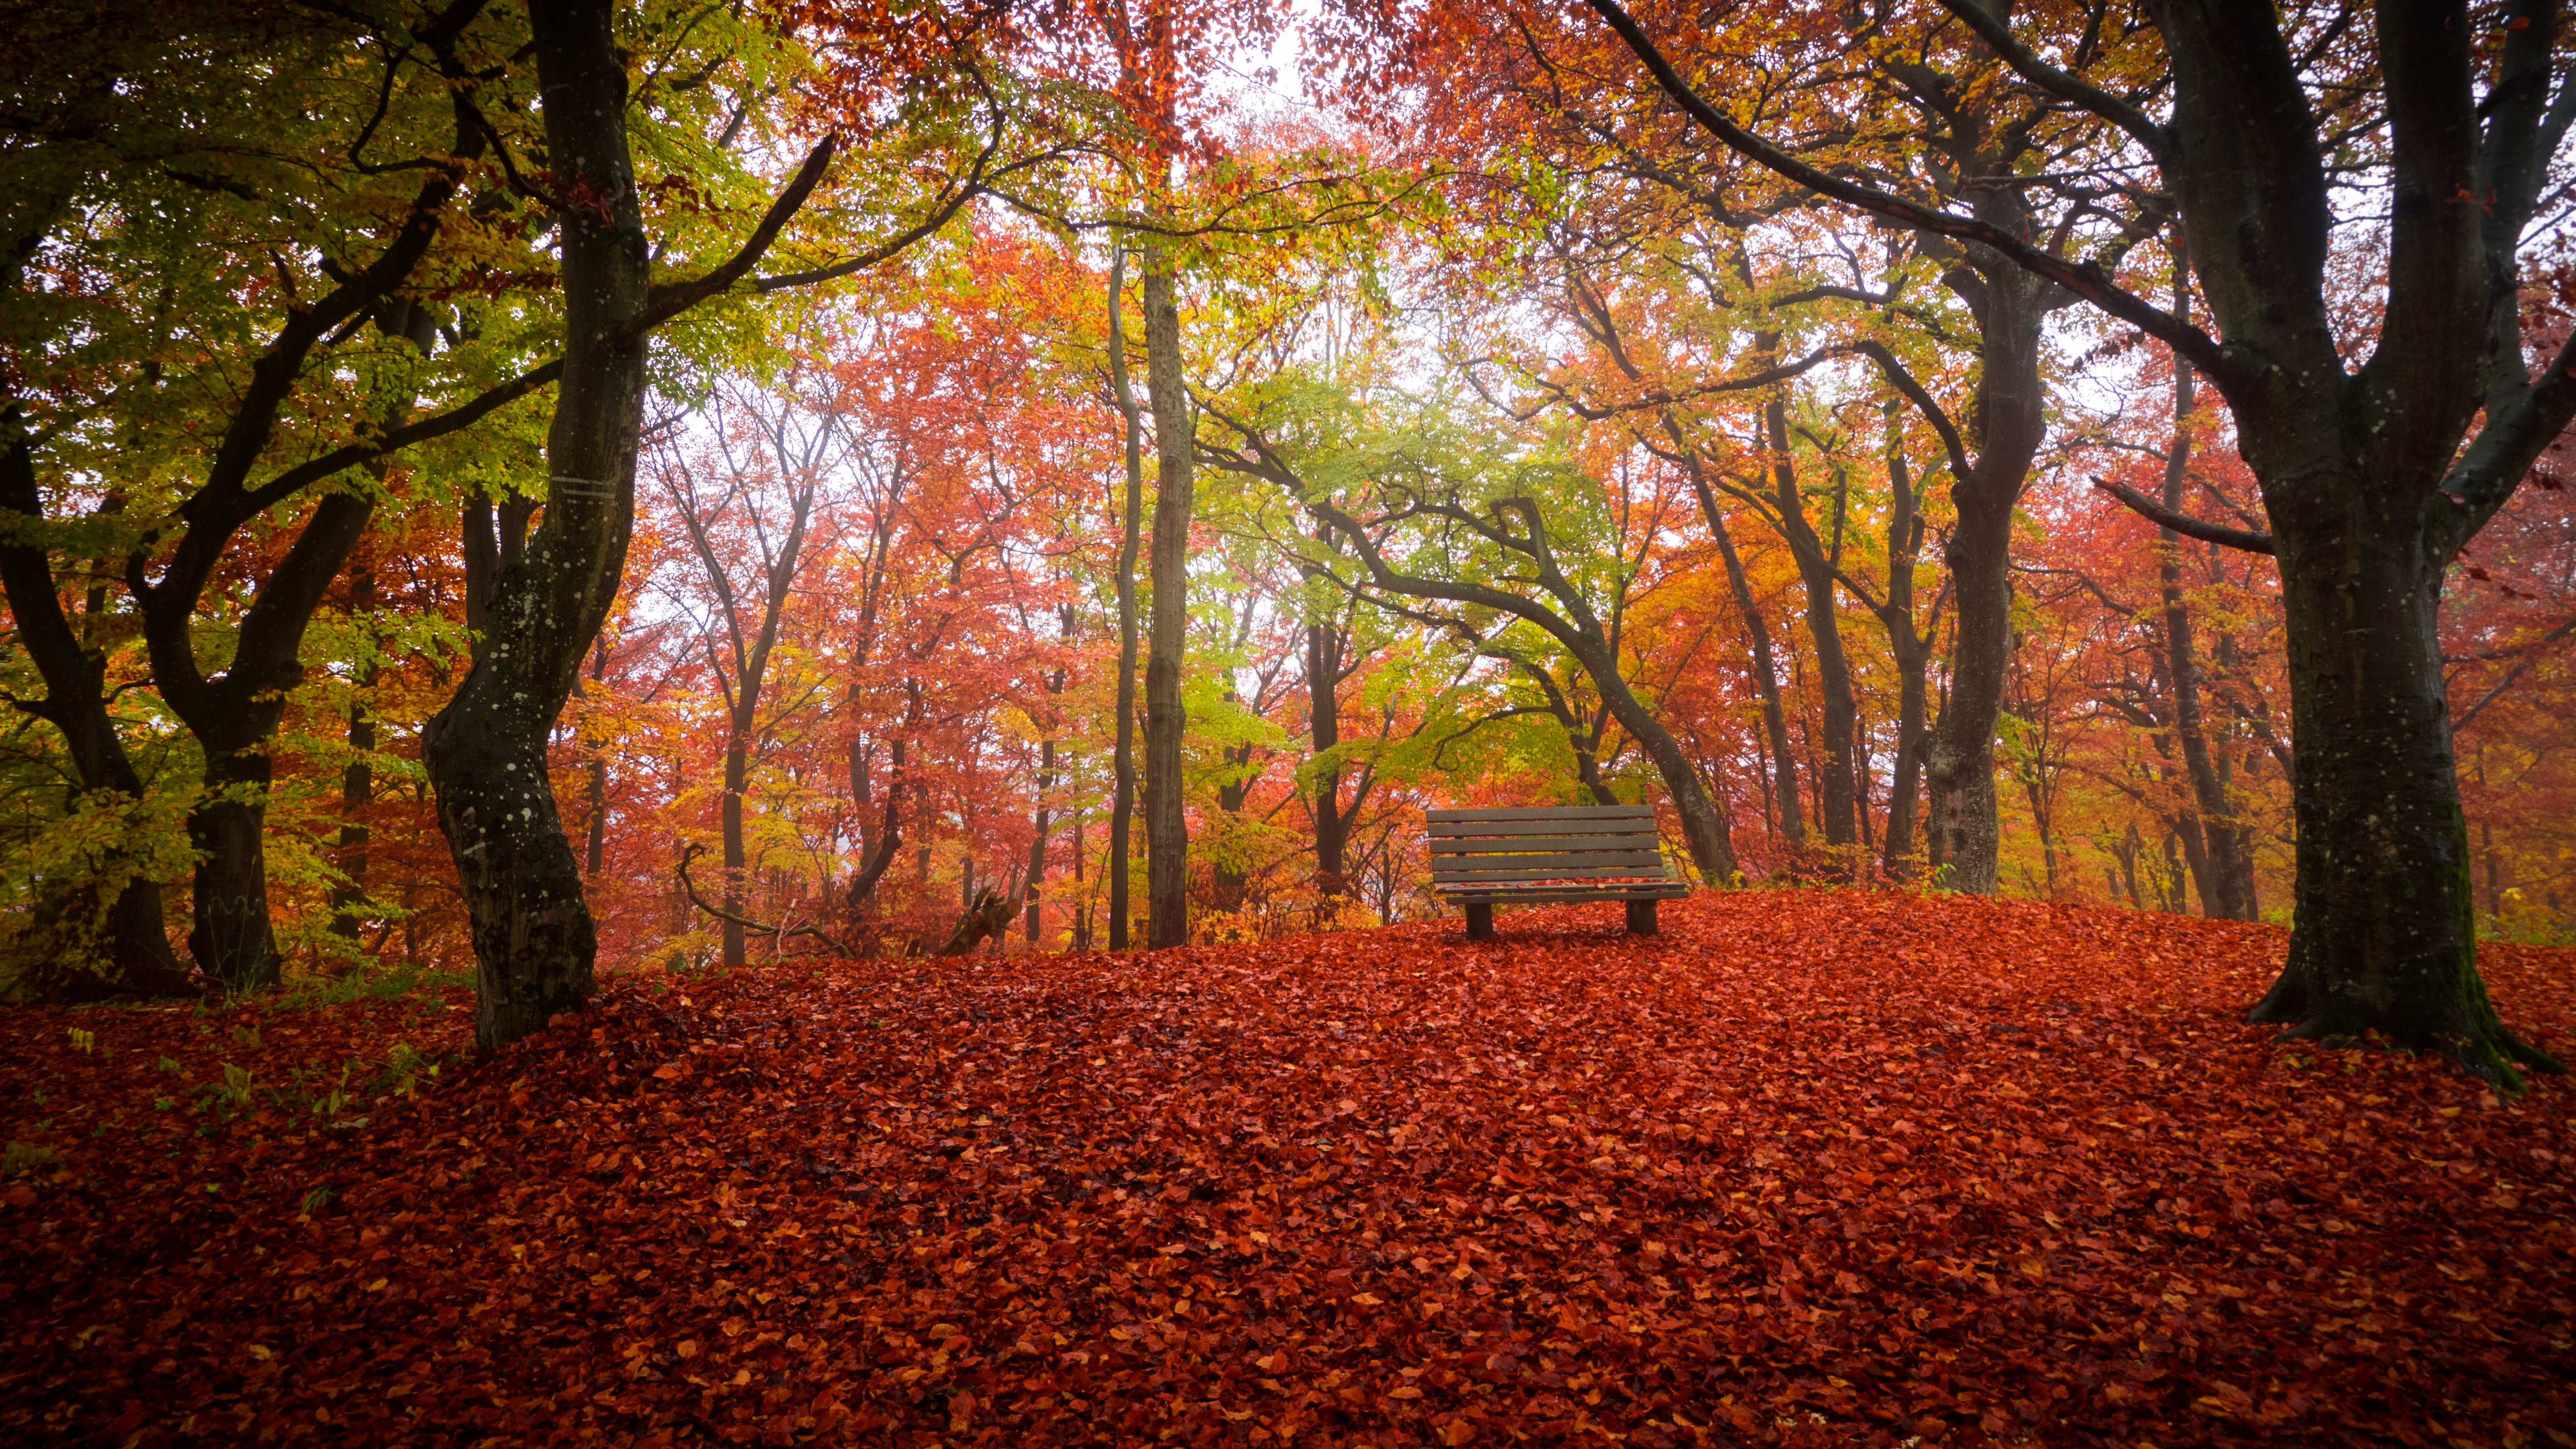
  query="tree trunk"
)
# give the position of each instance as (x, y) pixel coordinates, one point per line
(1824, 629)
(1911, 652)
(1766, 674)
(135, 956)
(2385, 936)
(1167, 902)
(1122, 809)
(2010, 308)
(737, 771)
(357, 782)
(230, 934)
(534, 940)
(2224, 878)
(1324, 724)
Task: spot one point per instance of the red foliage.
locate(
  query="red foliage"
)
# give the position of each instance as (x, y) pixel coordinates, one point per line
(1812, 1167)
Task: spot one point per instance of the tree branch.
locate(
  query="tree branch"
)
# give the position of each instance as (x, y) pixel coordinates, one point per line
(2084, 279)
(2184, 523)
(666, 302)
(2065, 86)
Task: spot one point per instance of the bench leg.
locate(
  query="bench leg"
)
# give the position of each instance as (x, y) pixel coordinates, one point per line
(1480, 922)
(1641, 917)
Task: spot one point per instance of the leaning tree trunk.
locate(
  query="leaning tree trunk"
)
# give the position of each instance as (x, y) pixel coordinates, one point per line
(2383, 938)
(534, 940)
(1167, 869)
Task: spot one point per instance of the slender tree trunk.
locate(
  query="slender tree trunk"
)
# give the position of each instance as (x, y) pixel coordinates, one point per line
(737, 772)
(1038, 838)
(1912, 653)
(534, 940)
(2223, 877)
(357, 783)
(1837, 705)
(1046, 784)
(1122, 810)
(1783, 784)
(1167, 901)
(1324, 724)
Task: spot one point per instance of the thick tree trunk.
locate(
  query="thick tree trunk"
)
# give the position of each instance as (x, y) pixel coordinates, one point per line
(230, 934)
(2010, 307)
(534, 940)
(1167, 901)
(2384, 938)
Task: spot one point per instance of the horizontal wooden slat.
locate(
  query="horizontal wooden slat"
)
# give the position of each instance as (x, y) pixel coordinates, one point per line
(1505, 870)
(1552, 812)
(1560, 898)
(1509, 844)
(1542, 859)
(1510, 828)
(1534, 880)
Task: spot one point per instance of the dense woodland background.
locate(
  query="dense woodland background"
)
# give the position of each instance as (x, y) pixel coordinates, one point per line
(864, 663)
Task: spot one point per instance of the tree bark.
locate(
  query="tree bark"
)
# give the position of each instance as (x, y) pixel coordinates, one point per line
(357, 781)
(134, 958)
(1122, 811)
(2224, 877)
(1046, 784)
(1167, 901)
(1324, 725)
(1766, 674)
(2010, 308)
(1911, 651)
(534, 940)
(1837, 705)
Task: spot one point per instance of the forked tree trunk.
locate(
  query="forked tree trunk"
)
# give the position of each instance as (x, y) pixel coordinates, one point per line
(534, 940)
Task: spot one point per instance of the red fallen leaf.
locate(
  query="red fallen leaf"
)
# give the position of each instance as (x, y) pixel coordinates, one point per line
(963, 1206)
(19, 1197)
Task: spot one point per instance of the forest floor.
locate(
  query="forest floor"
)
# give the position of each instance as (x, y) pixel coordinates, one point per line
(1811, 1167)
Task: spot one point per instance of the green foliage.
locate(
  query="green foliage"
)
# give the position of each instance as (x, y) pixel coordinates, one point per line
(21, 1159)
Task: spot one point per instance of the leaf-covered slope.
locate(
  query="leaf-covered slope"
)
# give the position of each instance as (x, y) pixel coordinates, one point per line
(1811, 1165)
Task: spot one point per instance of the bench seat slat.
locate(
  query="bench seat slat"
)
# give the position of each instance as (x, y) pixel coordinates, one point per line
(1626, 862)
(1639, 825)
(1546, 813)
(1517, 844)
(1544, 897)
(1572, 879)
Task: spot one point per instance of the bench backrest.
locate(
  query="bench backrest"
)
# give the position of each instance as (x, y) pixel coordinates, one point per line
(1571, 842)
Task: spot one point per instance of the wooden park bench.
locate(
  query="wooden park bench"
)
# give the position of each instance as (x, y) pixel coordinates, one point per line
(1484, 858)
